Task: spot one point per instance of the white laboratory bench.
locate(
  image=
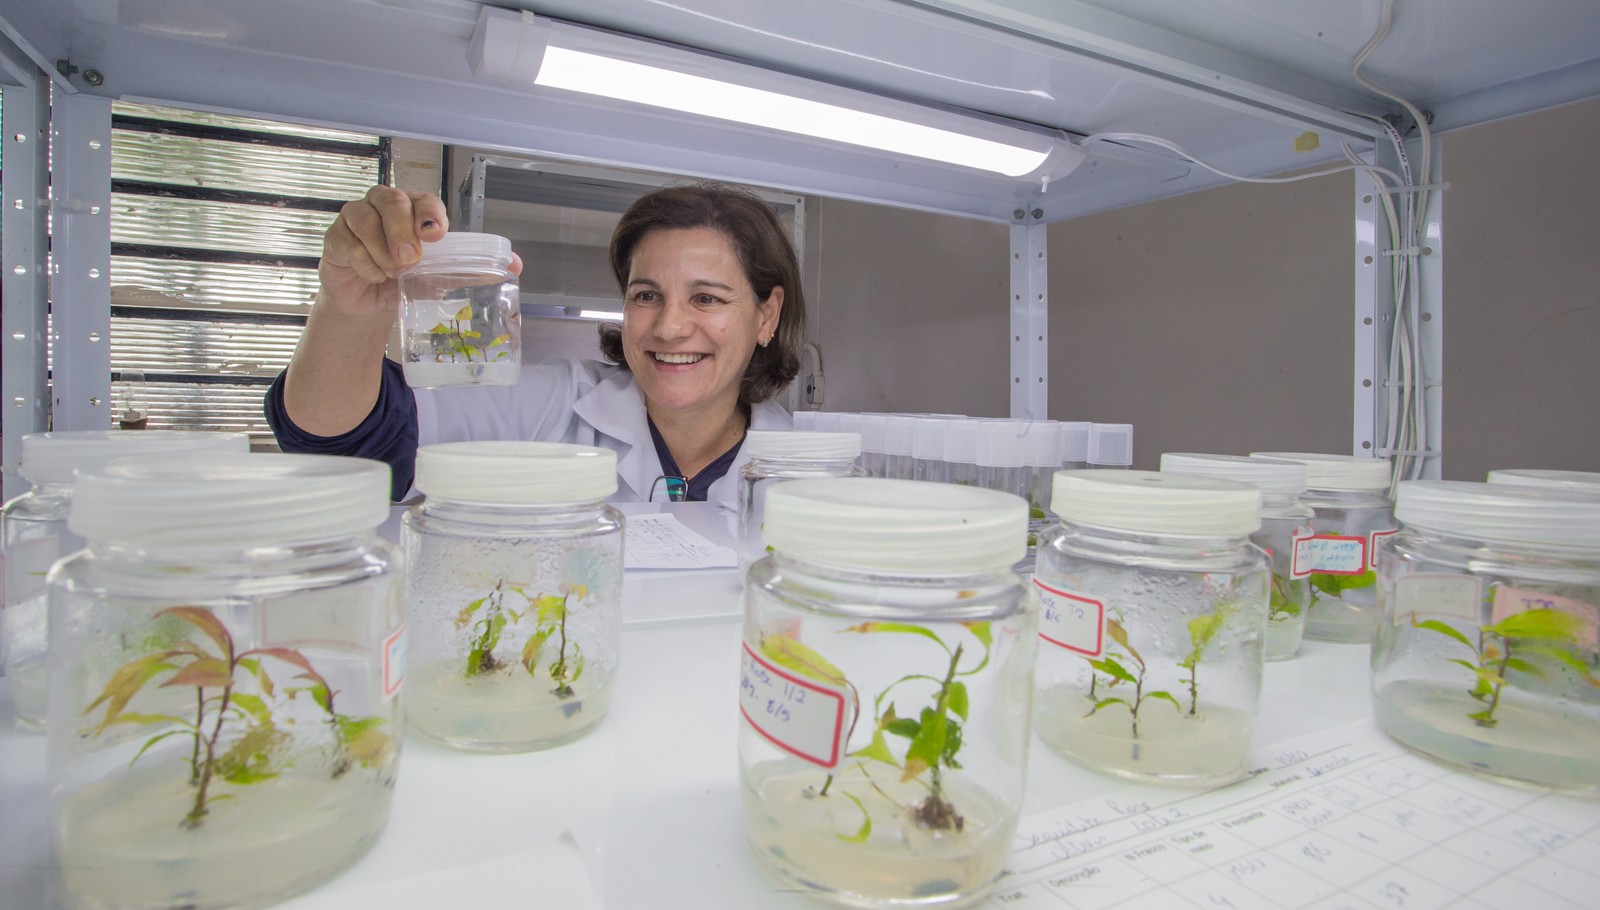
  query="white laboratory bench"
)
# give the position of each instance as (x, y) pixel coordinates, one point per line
(642, 813)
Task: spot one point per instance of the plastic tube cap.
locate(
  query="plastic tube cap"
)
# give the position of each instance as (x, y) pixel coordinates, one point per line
(827, 421)
(52, 457)
(1075, 441)
(961, 441)
(1110, 444)
(1274, 476)
(899, 434)
(1500, 512)
(873, 429)
(1000, 444)
(812, 445)
(927, 438)
(229, 500)
(848, 423)
(1154, 503)
(1577, 481)
(805, 420)
(508, 472)
(1337, 472)
(896, 525)
(1041, 444)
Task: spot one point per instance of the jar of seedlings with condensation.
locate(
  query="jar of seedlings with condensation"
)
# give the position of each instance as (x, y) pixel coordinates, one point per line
(1285, 529)
(226, 656)
(1348, 495)
(1153, 614)
(887, 667)
(1487, 655)
(460, 314)
(777, 456)
(513, 593)
(34, 534)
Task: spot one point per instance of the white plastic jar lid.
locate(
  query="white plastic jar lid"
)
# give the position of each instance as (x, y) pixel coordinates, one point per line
(52, 457)
(509, 472)
(802, 445)
(1338, 472)
(459, 245)
(1580, 481)
(896, 525)
(1149, 502)
(230, 500)
(1500, 512)
(1275, 477)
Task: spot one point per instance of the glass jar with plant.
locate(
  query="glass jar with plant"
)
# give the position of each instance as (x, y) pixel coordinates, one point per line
(886, 674)
(513, 591)
(226, 656)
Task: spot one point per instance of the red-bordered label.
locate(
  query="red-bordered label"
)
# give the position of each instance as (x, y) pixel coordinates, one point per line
(1372, 545)
(1338, 554)
(1300, 556)
(802, 717)
(1071, 621)
(394, 662)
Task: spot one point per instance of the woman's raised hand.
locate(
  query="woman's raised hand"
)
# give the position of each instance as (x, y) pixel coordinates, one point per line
(374, 239)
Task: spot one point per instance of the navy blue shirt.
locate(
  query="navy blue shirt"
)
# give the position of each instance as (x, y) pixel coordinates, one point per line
(389, 434)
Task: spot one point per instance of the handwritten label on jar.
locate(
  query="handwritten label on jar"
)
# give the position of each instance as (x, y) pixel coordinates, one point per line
(24, 566)
(1428, 595)
(394, 662)
(1071, 621)
(1300, 560)
(799, 716)
(1337, 554)
(1509, 602)
(1372, 545)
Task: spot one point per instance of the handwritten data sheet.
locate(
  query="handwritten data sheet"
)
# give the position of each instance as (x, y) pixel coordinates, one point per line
(1341, 820)
(660, 541)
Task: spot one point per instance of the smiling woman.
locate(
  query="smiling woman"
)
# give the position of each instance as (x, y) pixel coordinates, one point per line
(713, 318)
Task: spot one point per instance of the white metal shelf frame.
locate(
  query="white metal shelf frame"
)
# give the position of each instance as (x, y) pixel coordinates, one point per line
(400, 69)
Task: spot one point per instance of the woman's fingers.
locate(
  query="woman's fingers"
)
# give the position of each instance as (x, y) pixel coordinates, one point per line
(429, 216)
(344, 248)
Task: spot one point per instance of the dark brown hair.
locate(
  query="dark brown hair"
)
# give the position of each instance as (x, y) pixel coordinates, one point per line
(764, 252)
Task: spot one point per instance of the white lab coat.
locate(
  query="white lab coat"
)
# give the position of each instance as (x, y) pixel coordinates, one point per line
(579, 401)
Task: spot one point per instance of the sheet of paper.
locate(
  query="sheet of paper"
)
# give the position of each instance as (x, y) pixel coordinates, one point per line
(1344, 819)
(552, 874)
(661, 541)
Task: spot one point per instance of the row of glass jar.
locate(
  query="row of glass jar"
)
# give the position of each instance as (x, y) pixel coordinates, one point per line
(951, 448)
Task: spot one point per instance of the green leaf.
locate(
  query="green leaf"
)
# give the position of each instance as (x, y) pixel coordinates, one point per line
(134, 718)
(469, 333)
(865, 831)
(952, 746)
(1107, 702)
(440, 329)
(464, 313)
(1167, 696)
(1564, 656)
(249, 759)
(981, 631)
(1113, 669)
(1539, 624)
(878, 749)
(955, 698)
(125, 684)
(500, 339)
(364, 741)
(904, 726)
(1484, 718)
(1203, 628)
(792, 655)
(254, 706)
(929, 743)
(901, 628)
(155, 739)
(465, 616)
(530, 651)
(1434, 625)
(254, 668)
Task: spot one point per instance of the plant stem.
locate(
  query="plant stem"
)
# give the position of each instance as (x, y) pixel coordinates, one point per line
(199, 716)
(939, 709)
(1488, 719)
(192, 820)
(1194, 687)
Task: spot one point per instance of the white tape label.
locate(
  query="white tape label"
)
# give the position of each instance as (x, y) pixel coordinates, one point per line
(1071, 621)
(800, 716)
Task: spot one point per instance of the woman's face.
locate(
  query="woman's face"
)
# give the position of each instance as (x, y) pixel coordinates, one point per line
(691, 320)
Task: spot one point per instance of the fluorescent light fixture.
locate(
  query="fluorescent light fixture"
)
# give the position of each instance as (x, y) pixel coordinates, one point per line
(600, 314)
(527, 50)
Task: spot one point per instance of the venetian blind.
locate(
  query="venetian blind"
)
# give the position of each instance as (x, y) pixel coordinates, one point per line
(216, 226)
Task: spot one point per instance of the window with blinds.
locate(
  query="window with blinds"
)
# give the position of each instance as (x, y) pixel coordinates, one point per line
(216, 226)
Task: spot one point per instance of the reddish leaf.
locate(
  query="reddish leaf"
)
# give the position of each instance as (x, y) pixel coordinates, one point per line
(125, 684)
(207, 622)
(207, 672)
